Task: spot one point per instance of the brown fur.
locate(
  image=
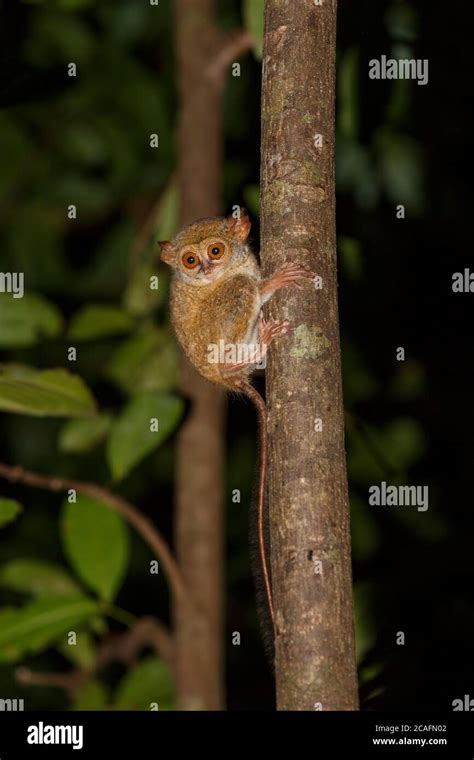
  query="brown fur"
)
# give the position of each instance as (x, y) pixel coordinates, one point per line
(223, 312)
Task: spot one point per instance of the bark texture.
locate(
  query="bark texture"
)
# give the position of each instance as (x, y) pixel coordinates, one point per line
(309, 512)
(199, 520)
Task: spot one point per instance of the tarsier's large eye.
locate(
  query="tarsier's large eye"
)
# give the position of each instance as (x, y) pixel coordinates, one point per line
(190, 260)
(215, 250)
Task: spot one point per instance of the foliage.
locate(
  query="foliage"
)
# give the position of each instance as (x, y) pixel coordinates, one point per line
(133, 434)
(138, 689)
(253, 17)
(39, 624)
(44, 393)
(9, 510)
(88, 526)
(92, 285)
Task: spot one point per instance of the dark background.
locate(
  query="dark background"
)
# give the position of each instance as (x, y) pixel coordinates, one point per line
(85, 141)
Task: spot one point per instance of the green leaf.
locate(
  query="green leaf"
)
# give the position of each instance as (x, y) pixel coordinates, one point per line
(351, 257)
(359, 382)
(356, 172)
(24, 321)
(37, 625)
(90, 195)
(91, 696)
(96, 543)
(56, 37)
(82, 653)
(99, 625)
(9, 511)
(402, 172)
(82, 143)
(365, 532)
(99, 321)
(126, 23)
(107, 274)
(254, 22)
(78, 436)
(146, 362)
(6, 614)
(368, 673)
(35, 228)
(150, 682)
(399, 102)
(131, 438)
(402, 21)
(348, 94)
(37, 577)
(168, 212)
(15, 144)
(364, 619)
(140, 299)
(378, 453)
(43, 393)
(403, 441)
(252, 199)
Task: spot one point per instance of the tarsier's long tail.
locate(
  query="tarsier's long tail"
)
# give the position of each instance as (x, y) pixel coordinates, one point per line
(262, 527)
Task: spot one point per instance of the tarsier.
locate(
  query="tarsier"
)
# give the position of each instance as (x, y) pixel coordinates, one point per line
(217, 295)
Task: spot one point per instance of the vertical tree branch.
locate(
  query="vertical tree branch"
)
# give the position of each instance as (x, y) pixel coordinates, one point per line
(200, 451)
(309, 514)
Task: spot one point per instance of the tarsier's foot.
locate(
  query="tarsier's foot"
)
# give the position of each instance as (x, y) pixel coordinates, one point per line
(271, 328)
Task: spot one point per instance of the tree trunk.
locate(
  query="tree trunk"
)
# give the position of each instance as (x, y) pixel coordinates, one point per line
(309, 513)
(200, 450)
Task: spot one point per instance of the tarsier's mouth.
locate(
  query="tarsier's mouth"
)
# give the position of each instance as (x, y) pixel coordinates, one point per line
(210, 271)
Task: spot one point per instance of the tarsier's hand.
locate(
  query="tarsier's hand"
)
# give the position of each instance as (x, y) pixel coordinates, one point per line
(288, 274)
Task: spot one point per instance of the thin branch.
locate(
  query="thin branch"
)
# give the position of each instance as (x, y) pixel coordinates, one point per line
(125, 647)
(132, 515)
(70, 682)
(122, 648)
(233, 48)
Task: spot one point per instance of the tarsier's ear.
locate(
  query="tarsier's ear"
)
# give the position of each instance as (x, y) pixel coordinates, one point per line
(167, 252)
(239, 227)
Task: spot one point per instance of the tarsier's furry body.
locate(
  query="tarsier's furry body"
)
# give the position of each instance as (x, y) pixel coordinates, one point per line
(217, 295)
